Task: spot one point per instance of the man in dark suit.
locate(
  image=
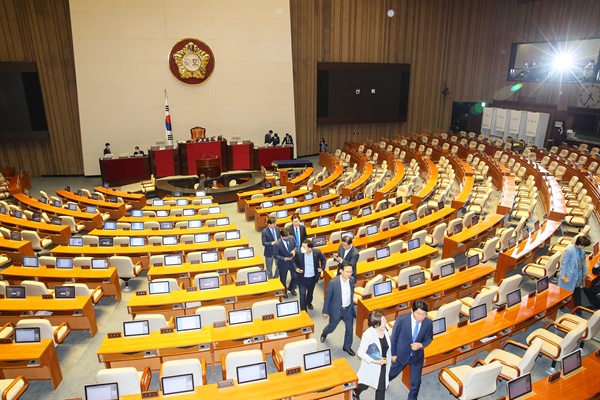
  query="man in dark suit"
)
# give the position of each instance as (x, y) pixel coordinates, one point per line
(347, 252)
(411, 334)
(339, 305)
(309, 265)
(298, 231)
(284, 252)
(268, 137)
(269, 237)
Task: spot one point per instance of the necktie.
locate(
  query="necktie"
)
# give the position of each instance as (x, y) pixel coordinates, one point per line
(297, 237)
(416, 332)
(273, 233)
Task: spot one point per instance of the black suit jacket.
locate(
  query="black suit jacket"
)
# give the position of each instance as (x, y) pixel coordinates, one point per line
(402, 338)
(267, 239)
(319, 262)
(332, 305)
(281, 252)
(302, 231)
(352, 256)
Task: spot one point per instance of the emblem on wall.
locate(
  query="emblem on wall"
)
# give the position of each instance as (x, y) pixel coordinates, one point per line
(191, 61)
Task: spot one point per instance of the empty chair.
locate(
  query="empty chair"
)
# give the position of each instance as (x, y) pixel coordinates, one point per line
(405, 273)
(82, 261)
(452, 224)
(126, 269)
(264, 307)
(450, 311)
(437, 235)
(186, 366)
(359, 292)
(580, 220)
(90, 240)
(293, 353)
(70, 222)
(81, 289)
(155, 321)
(571, 321)
(13, 388)
(128, 379)
(236, 359)
(466, 382)
(554, 346)
(506, 286)
(482, 297)
(435, 269)
(37, 243)
(35, 288)
(242, 273)
(543, 267)
(503, 240)
(514, 366)
(211, 314)
(366, 254)
(57, 333)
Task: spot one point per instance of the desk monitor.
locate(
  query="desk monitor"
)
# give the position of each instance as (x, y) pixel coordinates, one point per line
(201, 238)
(346, 216)
(513, 298)
(113, 199)
(440, 205)
(76, 241)
(474, 220)
(512, 241)
(232, 235)
(56, 221)
(137, 241)
(91, 210)
(372, 229)
(264, 204)
(379, 289)
(15, 292)
(188, 212)
(384, 206)
(412, 217)
(317, 359)
(457, 228)
(326, 205)
(416, 279)
(304, 210)
(136, 328)
(289, 200)
(428, 211)
(541, 285)
(268, 185)
(251, 373)
(43, 200)
(595, 249)
(95, 196)
(350, 234)
(188, 322)
(446, 270)
(439, 325)
(519, 387)
(162, 213)
(35, 217)
(72, 206)
(525, 234)
(158, 202)
(360, 196)
(398, 200)
(27, 335)
(137, 226)
(105, 242)
(277, 192)
(57, 203)
(246, 252)
(177, 384)
(222, 221)
(173, 259)
(211, 282)
(137, 213)
(536, 225)
(206, 200)
(366, 211)
(281, 214)
(257, 277)
(473, 261)
(382, 252)
(102, 391)
(325, 192)
(394, 223)
(64, 292)
(288, 308)
(194, 223)
(169, 240)
(166, 225)
(64, 263)
(571, 362)
(323, 221)
(477, 313)
(319, 241)
(209, 257)
(31, 262)
(344, 200)
(200, 193)
(241, 316)
(182, 202)
(99, 263)
(177, 194)
(414, 244)
(110, 225)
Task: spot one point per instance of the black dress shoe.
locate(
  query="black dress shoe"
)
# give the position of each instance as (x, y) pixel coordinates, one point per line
(293, 292)
(323, 337)
(355, 396)
(310, 307)
(285, 296)
(350, 351)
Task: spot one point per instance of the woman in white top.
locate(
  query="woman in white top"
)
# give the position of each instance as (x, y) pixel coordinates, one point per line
(374, 351)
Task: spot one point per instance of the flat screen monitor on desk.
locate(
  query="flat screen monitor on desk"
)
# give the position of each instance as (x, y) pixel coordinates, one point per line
(162, 213)
(110, 225)
(182, 202)
(136, 328)
(173, 259)
(242, 316)
(56, 221)
(158, 202)
(366, 211)
(384, 206)
(194, 223)
(177, 194)
(72, 206)
(137, 226)
(76, 241)
(281, 214)
(188, 212)
(277, 192)
(222, 221)
(346, 217)
(416, 279)
(326, 205)
(201, 238)
(382, 288)
(513, 298)
(382, 252)
(319, 241)
(266, 204)
(27, 335)
(289, 200)
(512, 242)
(64, 292)
(177, 384)
(232, 235)
(571, 362)
(159, 287)
(102, 391)
(473, 261)
(210, 282)
(99, 263)
(166, 225)
(308, 196)
(439, 325)
(394, 223)
(323, 221)
(57, 203)
(412, 217)
(519, 387)
(447, 270)
(64, 263)
(188, 322)
(209, 257)
(91, 210)
(414, 244)
(105, 242)
(205, 200)
(95, 196)
(317, 359)
(372, 229)
(137, 213)
(268, 185)
(457, 228)
(350, 234)
(36, 217)
(137, 241)
(536, 225)
(257, 277)
(541, 285)
(360, 196)
(169, 240)
(251, 373)
(31, 262)
(477, 313)
(304, 210)
(15, 292)
(344, 200)
(200, 193)
(288, 308)
(43, 200)
(246, 252)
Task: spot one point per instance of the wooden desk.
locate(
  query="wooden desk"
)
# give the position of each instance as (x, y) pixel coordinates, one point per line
(331, 383)
(190, 152)
(185, 273)
(15, 358)
(59, 233)
(435, 293)
(592, 279)
(253, 204)
(182, 302)
(174, 219)
(330, 181)
(195, 207)
(261, 214)
(16, 249)
(295, 183)
(123, 171)
(264, 156)
(107, 278)
(242, 197)
(471, 237)
(357, 185)
(77, 312)
(161, 232)
(137, 200)
(431, 173)
(392, 184)
(116, 210)
(524, 252)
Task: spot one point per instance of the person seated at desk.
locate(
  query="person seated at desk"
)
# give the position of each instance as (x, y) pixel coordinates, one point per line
(138, 152)
(107, 149)
(347, 252)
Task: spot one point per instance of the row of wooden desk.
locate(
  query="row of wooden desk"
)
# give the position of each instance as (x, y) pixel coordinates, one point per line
(59, 233)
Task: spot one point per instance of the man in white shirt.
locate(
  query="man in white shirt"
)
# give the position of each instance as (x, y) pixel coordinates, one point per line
(309, 265)
(339, 305)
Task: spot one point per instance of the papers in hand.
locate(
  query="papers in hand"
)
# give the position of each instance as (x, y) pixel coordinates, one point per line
(373, 352)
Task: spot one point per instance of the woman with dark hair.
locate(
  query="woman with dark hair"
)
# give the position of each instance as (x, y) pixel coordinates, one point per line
(374, 351)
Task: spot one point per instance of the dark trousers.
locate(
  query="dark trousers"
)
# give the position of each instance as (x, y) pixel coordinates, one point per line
(283, 272)
(592, 294)
(415, 376)
(577, 297)
(380, 390)
(348, 318)
(306, 286)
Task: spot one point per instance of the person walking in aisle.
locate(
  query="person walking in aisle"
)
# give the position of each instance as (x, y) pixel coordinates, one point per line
(309, 264)
(573, 268)
(339, 305)
(285, 250)
(269, 237)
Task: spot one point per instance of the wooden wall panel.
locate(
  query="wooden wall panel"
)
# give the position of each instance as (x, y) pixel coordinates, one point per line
(462, 43)
(40, 31)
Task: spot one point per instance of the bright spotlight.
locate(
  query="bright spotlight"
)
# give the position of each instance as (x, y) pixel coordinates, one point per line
(562, 62)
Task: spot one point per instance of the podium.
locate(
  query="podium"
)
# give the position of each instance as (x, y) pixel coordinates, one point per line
(209, 167)
(190, 152)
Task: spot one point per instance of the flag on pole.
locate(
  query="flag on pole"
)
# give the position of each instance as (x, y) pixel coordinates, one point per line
(169, 133)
